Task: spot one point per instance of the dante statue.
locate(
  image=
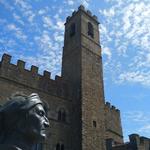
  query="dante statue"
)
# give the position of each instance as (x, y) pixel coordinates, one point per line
(23, 122)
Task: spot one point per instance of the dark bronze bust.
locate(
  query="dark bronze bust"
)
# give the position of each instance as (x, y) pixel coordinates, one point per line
(23, 122)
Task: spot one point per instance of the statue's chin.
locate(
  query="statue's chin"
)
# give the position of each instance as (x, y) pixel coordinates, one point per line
(42, 137)
(38, 137)
(43, 133)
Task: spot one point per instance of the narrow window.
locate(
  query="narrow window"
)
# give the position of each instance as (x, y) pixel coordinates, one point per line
(58, 146)
(94, 124)
(90, 30)
(62, 147)
(59, 115)
(72, 29)
(64, 116)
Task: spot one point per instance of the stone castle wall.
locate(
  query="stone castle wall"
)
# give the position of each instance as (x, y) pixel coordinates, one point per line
(136, 143)
(139, 142)
(31, 78)
(113, 123)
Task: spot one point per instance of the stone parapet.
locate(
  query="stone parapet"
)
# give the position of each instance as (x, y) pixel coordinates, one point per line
(87, 12)
(112, 108)
(113, 123)
(31, 78)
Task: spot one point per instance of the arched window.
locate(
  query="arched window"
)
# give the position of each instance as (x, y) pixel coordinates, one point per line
(62, 115)
(90, 30)
(72, 29)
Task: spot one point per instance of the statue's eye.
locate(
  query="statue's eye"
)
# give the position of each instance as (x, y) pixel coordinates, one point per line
(41, 113)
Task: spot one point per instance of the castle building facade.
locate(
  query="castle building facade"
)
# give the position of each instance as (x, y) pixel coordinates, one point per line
(79, 116)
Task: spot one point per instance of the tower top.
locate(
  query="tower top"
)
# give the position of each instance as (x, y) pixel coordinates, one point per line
(81, 8)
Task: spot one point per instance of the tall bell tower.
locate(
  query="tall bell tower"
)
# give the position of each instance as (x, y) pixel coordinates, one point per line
(82, 67)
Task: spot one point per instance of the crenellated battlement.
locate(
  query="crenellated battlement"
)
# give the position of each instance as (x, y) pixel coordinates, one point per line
(82, 8)
(31, 78)
(136, 142)
(139, 140)
(111, 107)
(113, 123)
(6, 61)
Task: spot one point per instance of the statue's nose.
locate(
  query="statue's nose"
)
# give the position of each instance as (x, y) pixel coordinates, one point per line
(46, 123)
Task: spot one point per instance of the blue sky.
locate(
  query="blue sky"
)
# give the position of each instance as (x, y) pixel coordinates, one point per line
(32, 30)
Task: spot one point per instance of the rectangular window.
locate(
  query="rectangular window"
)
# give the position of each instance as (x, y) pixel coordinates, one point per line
(94, 124)
(72, 29)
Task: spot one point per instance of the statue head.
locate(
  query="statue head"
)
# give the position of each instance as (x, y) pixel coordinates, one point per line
(24, 116)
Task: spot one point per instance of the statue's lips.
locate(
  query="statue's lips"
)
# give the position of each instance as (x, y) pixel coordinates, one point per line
(43, 131)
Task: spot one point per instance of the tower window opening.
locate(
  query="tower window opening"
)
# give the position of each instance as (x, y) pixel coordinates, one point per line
(94, 124)
(59, 115)
(90, 30)
(72, 29)
(60, 146)
(62, 115)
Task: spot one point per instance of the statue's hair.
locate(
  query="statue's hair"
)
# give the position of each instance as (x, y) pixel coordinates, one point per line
(14, 110)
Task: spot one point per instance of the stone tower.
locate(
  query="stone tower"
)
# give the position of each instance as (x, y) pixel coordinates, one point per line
(82, 66)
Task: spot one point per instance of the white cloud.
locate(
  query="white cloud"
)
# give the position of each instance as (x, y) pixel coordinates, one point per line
(44, 41)
(31, 17)
(104, 35)
(126, 32)
(108, 13)
(106, 51)
(49, 55)
(58, 37)
(7, 43)
(47, 22)
(3, 21)
(70, 2)
(6, 5)
(42, 11)
(137, 122)
(135, 77)
(23, 4)
(26, 10)
(60, 25)
(145, 129)
(137, 116)
(12, 27)
(85, 3)
(18, 18)
(17, 31)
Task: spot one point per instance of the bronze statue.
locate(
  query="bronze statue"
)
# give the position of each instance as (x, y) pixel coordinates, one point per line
(23, 122)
